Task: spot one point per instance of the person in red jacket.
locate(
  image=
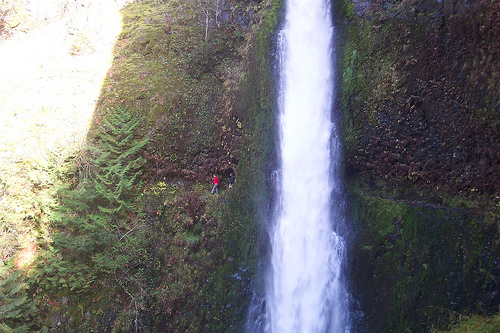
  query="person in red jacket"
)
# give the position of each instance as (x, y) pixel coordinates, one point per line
(215, 189)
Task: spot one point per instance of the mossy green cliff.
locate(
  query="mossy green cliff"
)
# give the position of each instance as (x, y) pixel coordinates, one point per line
(422, 155)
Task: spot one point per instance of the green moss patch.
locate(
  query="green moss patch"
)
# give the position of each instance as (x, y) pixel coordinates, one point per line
(412, 259)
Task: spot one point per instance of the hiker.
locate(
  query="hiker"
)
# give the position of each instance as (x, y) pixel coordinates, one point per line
(231, 180)
(215, 189)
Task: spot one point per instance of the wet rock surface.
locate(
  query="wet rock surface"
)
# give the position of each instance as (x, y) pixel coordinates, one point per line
(422, 152)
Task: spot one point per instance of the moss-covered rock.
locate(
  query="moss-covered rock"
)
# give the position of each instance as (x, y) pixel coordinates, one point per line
(413, 261)
(422, 157)
(420, 111)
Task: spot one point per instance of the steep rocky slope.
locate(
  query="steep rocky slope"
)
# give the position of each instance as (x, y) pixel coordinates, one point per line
(422, 150)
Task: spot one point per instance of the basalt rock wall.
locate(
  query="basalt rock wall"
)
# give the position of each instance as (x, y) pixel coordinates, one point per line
(421, 115)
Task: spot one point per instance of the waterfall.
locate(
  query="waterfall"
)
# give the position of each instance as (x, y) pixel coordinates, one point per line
(304, 292)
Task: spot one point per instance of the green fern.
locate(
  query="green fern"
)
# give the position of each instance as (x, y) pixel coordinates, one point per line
(15, 307)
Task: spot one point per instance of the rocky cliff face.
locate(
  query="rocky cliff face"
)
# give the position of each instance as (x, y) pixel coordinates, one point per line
(420, 88)
(422, 114)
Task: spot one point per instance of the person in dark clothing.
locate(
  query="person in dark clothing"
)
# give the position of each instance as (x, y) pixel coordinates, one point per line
(232, 179)
(215, 189)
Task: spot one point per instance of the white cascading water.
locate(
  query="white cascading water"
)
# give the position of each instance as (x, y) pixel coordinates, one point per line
(305, 294)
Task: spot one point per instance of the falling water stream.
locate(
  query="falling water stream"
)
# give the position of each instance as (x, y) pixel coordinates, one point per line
(304, 292)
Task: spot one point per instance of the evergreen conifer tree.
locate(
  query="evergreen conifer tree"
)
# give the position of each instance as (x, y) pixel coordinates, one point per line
(116, 162)
(15, 307)
(95, 213)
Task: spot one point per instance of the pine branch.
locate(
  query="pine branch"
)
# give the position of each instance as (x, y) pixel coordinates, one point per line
(94, 214)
